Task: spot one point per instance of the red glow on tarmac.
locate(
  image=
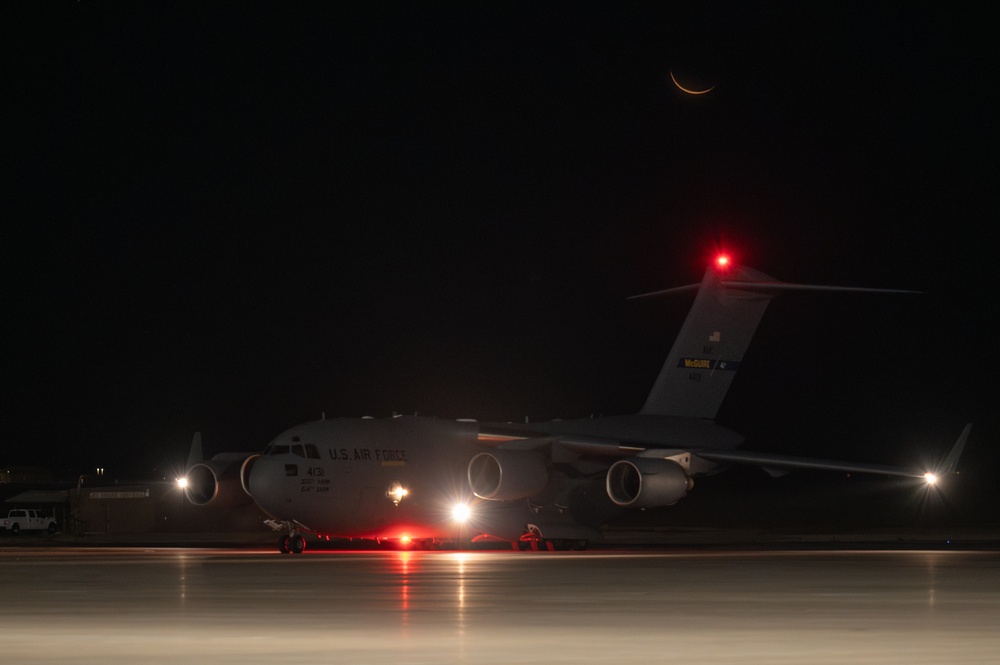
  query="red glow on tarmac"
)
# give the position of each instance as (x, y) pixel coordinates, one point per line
(406, 532)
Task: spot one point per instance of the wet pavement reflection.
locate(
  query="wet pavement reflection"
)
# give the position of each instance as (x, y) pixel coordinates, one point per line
(65, 605)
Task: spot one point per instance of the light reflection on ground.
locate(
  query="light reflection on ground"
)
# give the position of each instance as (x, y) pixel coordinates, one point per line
(177, 605)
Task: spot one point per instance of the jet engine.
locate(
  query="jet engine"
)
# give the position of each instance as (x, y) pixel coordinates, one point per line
(221, 482)
(646, 482)
(506, 475)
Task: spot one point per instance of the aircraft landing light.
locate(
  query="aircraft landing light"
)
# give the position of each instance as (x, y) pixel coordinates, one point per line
(182, 482)
(397, 493)
(931, 478)
(461, 512)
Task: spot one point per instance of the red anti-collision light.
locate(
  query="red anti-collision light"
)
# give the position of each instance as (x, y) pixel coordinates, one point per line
(722, 261)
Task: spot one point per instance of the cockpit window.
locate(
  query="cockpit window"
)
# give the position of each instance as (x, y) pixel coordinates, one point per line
(307, 450)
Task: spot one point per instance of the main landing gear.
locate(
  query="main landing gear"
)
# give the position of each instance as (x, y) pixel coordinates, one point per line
(291, 541)
(292, 544)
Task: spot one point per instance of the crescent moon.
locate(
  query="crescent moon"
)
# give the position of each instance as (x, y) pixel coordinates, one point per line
(688, 91)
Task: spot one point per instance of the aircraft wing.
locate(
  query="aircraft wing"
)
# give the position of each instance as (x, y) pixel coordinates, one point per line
(600, 447)
(771, 460)
(559, 445)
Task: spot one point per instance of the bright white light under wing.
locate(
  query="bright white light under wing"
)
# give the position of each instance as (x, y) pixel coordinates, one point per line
(461, 512)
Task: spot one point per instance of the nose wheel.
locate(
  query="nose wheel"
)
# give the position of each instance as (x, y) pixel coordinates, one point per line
(292, 544)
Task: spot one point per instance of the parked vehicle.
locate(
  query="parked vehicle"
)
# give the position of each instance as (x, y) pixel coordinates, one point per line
(27, 519)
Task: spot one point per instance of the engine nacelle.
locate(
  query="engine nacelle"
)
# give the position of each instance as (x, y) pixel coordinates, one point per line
(646, 482)
(221, 481)
(506, 475)
(245, 469)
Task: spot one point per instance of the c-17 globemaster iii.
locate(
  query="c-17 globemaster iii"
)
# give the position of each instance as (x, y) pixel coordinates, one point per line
(428, 481)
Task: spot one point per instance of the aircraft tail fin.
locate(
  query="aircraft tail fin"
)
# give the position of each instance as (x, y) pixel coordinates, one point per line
(727, 309)
(710, 346)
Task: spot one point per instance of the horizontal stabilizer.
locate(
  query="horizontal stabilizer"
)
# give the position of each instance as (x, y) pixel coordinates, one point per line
(771, 287)
(786, 286)
(666, 292)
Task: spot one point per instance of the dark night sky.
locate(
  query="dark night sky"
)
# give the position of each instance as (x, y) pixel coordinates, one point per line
(234, 219)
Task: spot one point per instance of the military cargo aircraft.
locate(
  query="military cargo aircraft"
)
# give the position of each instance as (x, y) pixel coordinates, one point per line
(428, 481)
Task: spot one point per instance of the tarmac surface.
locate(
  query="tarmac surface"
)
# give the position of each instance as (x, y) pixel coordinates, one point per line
(183, 605)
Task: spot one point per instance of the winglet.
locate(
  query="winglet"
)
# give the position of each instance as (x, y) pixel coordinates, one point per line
(195, 456)
(950, 463)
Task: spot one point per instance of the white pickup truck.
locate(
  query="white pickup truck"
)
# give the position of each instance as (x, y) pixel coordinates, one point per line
(21, 519)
